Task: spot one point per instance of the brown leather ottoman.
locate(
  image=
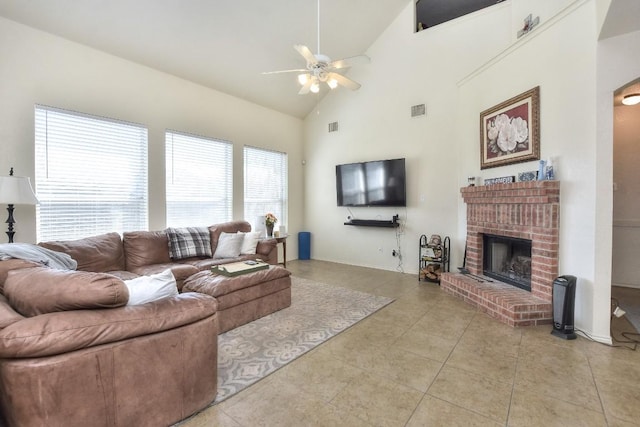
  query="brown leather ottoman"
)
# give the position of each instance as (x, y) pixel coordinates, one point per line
(245, 298)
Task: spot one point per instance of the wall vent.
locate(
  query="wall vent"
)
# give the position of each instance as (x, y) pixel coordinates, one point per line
(418, 110)
(333, 127)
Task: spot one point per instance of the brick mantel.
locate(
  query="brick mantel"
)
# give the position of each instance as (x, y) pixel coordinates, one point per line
(525, 210)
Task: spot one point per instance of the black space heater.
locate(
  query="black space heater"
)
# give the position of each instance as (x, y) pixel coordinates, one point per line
(564, 295)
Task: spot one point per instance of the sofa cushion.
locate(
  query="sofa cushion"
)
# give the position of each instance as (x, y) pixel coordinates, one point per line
(234, 291)
(38, 290)
(97, 253)
(142, 248)
(146, 289)
(12, 264)
(63, 332)
(250, 242)
(228, 245)
(189, 242)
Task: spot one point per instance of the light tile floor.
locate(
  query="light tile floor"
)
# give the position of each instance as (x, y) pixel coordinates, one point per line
(429, 359)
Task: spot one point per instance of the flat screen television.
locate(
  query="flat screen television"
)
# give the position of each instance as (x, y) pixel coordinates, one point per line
(377, 183)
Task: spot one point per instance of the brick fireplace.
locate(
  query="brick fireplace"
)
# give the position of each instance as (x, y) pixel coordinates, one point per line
(522, 210)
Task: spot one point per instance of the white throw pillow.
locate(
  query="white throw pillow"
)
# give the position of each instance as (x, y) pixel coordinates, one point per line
(250, 242)
(145, 289)
(229, 245)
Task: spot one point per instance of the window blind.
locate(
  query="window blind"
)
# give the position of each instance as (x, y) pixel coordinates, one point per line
(265, 184)
(91, 175)
(199, 180)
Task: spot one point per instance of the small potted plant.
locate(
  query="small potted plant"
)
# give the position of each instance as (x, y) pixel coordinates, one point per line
(270, 220)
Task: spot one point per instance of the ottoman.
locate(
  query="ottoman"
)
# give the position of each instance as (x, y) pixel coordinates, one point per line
(245, 298)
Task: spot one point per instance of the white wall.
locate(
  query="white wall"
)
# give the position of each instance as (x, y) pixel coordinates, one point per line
(617, 64)
(460, 69)
(39, 68)
(567, 80)
(375, 122)
(626, 196)
(407, 68)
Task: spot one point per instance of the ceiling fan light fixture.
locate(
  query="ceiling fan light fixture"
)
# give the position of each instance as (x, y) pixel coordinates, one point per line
(303, 78)
(631, 99)
(321, 69)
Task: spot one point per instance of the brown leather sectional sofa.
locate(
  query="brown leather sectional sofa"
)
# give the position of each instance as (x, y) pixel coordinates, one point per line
(73, 353)
(140, 253)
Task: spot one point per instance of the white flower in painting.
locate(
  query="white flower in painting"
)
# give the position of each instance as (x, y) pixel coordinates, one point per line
(496, 125)
(504, 133)
(501, 121)
(521, 129)
(492, 132)
(507, 138)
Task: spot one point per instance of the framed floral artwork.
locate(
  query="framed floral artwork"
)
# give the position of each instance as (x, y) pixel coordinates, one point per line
(510, 131)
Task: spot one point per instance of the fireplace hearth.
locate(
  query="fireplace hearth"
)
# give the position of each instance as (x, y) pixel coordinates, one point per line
(520, 212)
(508, 259)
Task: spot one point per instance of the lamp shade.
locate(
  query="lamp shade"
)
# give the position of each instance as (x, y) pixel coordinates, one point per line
(17, 190)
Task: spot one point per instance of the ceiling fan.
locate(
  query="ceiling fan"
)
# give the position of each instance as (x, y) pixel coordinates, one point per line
(321, 69)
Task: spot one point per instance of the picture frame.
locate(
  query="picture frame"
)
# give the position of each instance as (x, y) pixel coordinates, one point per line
(510, 131)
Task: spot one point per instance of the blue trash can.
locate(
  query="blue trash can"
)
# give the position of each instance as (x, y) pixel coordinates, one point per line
(304, 245)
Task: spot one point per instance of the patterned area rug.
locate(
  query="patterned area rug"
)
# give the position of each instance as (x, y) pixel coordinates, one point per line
(318, 312)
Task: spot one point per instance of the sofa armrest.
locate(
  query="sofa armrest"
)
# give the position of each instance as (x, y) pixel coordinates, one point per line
(62, 332)
(267, 250)
(13, 264)
(8, 315)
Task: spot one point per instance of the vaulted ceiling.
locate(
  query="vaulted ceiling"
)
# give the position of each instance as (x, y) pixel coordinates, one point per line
(221, 44)
(227, 44)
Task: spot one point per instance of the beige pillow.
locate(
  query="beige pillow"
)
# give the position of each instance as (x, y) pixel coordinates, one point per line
(249, 242)
(39, 290)
(229, 245)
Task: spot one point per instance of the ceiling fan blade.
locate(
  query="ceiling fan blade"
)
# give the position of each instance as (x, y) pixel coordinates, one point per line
(305, 89)
(306, 53)
(344, 81)
(348, 62)
(300, 70)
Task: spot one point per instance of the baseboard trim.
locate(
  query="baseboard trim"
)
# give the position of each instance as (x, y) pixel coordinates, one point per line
(597, 338)
(627, 285)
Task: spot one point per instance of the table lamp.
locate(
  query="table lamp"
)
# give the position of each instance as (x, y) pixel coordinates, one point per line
(15, 190)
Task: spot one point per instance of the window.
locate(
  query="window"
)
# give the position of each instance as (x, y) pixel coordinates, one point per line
(265, 184)
(199, 180)
(91, 175)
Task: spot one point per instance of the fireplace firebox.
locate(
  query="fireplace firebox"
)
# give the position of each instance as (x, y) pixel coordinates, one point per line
(507, 259)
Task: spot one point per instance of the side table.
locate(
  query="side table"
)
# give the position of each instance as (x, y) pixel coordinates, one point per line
(283, 239)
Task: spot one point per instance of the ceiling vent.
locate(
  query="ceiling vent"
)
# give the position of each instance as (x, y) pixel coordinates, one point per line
(418, 110)
(333, 127)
